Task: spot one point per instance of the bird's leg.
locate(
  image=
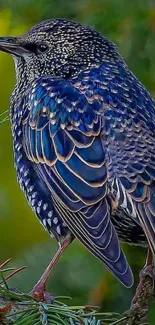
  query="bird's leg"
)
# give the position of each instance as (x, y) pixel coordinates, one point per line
(149, 266)
(145, 289)
(38, 290)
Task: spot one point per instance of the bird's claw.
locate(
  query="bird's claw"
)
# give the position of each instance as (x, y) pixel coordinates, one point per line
(39, 293)
(148, 270)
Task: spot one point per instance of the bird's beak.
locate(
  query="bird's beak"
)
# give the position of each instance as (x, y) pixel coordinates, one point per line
(12, 46)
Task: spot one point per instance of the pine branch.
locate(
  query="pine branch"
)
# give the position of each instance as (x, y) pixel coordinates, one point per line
(21, 309)
(17, 308)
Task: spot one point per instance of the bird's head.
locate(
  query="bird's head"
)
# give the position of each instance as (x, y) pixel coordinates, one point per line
(58, 47)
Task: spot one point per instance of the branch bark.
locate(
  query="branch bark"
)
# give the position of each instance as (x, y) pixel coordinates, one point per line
(138, 313)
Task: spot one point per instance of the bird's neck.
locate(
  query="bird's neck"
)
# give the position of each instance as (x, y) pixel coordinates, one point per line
(21, 76)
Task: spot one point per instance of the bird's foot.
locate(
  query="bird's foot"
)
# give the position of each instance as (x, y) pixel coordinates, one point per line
(38, 292)
(148, 270)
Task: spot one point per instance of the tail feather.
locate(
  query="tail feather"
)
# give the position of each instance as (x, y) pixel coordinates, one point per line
(101, 240)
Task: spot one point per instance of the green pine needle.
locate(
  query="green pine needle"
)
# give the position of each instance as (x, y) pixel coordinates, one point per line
(30, 312)
(4, 119)
(25, 310)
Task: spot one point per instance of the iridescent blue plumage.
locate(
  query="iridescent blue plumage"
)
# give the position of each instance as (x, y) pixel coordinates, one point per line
(83, 131)
(64, 140)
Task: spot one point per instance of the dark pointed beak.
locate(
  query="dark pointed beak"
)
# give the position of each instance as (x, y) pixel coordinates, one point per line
(12, 46)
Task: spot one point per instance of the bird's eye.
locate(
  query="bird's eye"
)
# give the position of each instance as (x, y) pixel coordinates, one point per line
(42, 48)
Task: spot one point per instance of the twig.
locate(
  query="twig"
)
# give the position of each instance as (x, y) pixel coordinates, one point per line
(138, 313)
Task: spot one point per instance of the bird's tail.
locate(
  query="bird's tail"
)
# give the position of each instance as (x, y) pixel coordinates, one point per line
(93, 227)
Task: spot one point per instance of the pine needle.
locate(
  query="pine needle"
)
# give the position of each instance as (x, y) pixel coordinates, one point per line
(24, 310)
(4, 119)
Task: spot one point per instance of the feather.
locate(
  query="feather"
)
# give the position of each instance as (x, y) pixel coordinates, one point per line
(71, 160)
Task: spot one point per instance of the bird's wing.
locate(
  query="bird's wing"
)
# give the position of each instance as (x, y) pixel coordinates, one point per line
(129, 129)
(61, 134)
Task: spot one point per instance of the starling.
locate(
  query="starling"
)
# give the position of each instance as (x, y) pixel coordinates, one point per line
(83, 134)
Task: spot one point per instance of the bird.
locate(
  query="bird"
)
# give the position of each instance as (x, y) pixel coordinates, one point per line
(83, 130)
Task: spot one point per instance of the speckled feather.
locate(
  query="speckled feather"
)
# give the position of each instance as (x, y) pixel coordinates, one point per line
(83, 131)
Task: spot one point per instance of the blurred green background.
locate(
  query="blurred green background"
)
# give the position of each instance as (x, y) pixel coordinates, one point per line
(131, 24)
